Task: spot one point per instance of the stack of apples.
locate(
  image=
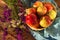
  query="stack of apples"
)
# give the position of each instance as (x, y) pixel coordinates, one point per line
(40, 15)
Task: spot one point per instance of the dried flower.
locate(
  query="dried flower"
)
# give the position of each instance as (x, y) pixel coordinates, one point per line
(7, 14)
(19, 35)
(5, 33)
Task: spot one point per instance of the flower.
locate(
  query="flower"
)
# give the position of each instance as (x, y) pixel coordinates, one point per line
(5, 33)
(19, 34)
(7, 13)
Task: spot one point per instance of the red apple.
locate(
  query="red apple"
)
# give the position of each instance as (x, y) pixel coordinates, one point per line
(44, 10)
(31, 20)
(48, 6)
(30, 10)
(48, 19)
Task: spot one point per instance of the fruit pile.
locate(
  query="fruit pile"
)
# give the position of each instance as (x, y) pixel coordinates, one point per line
(40, 15)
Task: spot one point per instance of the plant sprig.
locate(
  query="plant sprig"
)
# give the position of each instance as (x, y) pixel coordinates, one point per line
(14, 7)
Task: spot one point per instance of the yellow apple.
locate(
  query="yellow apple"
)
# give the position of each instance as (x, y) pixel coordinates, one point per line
(45, 21)
(52, 14)
(42, 10)
(37, 4)
(30, 10)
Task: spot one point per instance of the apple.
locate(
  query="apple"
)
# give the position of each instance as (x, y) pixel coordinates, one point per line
(37, 4)
(52, 14)
(31, 20)
(48, 19)
(42, 10)
(30, 10)
(48, 6)
(45, 21)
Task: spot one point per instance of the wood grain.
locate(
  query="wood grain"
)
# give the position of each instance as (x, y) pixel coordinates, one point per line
(58, 2)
